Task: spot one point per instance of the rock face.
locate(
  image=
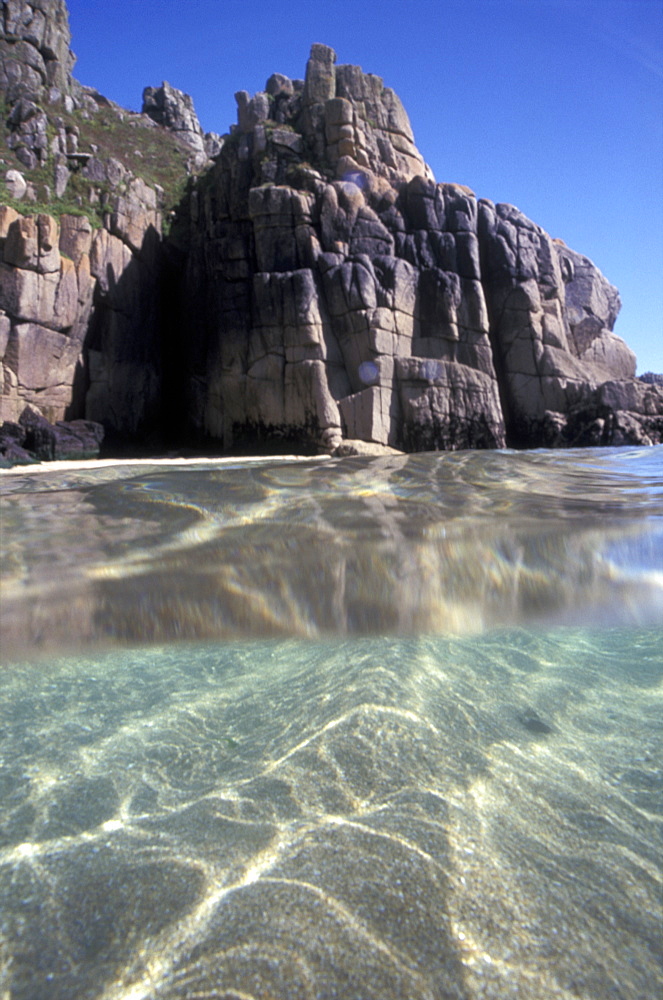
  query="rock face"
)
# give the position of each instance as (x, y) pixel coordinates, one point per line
(174, 110)
(79, 317)
(79, 300)
(53, 125)
(35, 58)
(35, 70)
(317, 285)
(335, 291)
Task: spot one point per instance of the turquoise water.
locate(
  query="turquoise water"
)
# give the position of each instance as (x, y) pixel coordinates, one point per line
(386, 728)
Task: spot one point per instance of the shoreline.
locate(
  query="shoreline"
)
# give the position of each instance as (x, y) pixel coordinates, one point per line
(102, 463)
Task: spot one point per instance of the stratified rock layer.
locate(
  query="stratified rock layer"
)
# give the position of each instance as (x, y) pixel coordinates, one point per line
(334, 290)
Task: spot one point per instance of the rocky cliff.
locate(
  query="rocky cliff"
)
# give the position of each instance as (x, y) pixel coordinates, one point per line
(343, 293)
(317, 285)
(87, 185)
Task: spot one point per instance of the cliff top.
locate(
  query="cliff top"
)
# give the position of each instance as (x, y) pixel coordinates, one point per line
(64, 147)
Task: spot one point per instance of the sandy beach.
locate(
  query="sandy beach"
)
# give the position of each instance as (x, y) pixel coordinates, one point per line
(103, 463)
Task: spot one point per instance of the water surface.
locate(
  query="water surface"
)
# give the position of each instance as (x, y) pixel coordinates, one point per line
(386, 728)
(410, 543)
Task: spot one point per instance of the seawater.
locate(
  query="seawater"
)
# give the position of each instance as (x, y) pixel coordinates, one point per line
(359, 728)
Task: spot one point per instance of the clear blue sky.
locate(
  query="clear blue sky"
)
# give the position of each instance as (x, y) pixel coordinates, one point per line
(555, 106)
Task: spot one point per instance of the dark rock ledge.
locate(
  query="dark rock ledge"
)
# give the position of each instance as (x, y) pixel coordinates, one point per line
(34, 439)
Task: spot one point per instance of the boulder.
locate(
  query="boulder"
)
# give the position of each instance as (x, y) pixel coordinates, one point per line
(12, 440)
(35, 438)
(61, 175)
(16, 184)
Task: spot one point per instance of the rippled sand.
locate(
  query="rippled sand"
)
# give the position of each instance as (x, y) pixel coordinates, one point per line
(429, 818)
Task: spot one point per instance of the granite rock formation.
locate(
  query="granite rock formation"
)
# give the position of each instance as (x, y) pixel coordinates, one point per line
(78, 317)
(317, 286)
(174, 110)
(80, 282)
(59, 131)
(35, 57)
(342, 293)
(35, 69)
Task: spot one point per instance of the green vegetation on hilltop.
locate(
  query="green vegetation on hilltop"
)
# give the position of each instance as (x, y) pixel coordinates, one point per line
(144, 149)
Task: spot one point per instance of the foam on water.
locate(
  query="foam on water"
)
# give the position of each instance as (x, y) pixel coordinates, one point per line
(419, 812)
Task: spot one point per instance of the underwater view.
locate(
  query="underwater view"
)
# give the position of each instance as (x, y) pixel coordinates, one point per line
(362, 728)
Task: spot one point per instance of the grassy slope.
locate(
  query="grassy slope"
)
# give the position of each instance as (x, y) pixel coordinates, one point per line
(148, 151)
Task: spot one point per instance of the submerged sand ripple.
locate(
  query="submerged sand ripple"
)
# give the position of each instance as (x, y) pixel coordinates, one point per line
(365, 818)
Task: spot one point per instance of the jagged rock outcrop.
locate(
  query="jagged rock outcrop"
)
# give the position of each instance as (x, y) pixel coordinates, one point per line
(79, 295)
(318, 286)
(174, 110)
(334, 290)
(53, 125)
(35, 70)
(35, 56)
